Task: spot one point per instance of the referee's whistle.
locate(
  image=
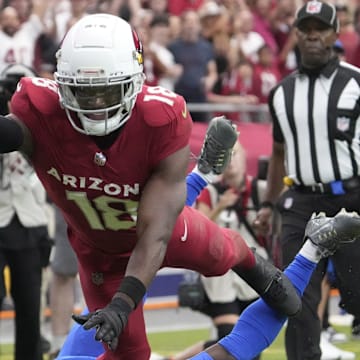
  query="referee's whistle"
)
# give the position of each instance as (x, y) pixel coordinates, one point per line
(288, 181)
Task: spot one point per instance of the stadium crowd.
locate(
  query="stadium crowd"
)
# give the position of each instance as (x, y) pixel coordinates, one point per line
(231, 51)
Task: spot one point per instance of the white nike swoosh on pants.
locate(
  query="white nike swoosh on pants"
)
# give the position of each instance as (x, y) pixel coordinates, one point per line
(184, 237)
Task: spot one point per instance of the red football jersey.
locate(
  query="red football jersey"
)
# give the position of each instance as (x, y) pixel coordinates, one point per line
(100, 200)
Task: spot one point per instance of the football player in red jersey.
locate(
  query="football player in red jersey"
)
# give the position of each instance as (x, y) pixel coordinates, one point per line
(113, 155)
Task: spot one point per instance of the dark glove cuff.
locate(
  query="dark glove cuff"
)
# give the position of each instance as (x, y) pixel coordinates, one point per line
(120, 306)
(134, 288)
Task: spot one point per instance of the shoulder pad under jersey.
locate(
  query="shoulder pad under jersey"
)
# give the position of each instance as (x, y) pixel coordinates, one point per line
(40, 92)
(160, 106)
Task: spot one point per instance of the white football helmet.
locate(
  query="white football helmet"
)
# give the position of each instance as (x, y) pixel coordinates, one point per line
(100, 73)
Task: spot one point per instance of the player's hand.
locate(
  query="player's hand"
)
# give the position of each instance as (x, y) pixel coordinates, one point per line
(263, 221)
(109, 321)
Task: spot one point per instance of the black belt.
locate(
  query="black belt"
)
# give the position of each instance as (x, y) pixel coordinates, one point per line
(334, 188)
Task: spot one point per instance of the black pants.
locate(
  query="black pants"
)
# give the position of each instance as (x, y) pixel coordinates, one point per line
(26, 270)
(303, 331)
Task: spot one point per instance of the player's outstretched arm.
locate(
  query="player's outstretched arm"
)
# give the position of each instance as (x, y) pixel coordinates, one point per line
(14, 135)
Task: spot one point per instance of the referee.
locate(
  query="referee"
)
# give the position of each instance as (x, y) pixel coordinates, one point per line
(316, 153)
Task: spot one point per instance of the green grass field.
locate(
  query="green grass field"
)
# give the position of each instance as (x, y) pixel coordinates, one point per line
(171, 342)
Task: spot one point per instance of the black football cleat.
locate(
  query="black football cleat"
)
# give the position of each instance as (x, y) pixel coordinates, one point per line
(273, 286)
(329, 233)
(221, 136)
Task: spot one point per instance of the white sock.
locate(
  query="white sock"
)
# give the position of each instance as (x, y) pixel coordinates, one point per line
(310, 252)
(209, 177)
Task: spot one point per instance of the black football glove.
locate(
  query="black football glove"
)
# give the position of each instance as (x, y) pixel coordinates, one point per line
(109, 321)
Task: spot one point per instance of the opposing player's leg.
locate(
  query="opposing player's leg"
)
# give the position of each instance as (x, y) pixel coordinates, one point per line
(259, 325)
(201, 245)
(267, 280)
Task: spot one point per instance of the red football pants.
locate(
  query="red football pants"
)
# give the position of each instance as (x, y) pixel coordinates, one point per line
(197, 243)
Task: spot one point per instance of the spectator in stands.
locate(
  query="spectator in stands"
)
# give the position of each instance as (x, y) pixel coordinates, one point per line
(159, 40)
(235, 86)
(214, 19)
(356, 56)
(244, 37)
(158, 7)
(126, 9)
(45, 46)
(62, 21)
(116, 7)
(221, 43)
(178, 7)
(154, 66)
(235, 6)
(196, 55)
(45, 55)
(356, 20)
(347, 34)
(23, 7)
(282, 19)
(261, 10)
(266, 74)
(175, 27)
(18, 39)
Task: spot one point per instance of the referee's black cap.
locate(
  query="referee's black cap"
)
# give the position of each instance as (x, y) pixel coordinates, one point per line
(325, 12)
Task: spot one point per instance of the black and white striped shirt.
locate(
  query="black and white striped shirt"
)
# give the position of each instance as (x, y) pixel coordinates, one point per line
(317, 116)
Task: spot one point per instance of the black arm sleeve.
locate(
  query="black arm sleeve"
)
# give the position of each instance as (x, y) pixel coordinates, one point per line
(11, 135)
